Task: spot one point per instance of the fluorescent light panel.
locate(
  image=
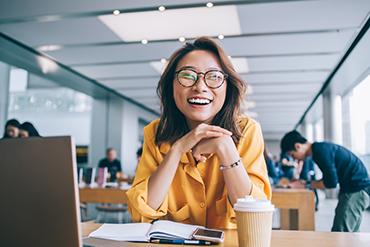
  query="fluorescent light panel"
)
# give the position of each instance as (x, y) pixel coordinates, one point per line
(171, 24)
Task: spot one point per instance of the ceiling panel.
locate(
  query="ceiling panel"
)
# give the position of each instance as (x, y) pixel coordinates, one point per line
(130, 83)
(318, 62)
(278, 17)
(275, 77)
(111, 71)
(240, 46)
(64, 32)
(115, 53)
(286, 89)
(288, 43)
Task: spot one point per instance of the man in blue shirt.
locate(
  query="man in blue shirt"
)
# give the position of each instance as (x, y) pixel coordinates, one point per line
(112, 163)
(338, 165)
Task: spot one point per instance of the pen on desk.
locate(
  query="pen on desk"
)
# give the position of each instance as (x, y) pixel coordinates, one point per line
(180, 241)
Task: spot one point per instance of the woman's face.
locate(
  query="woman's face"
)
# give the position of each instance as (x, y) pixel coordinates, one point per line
(12, 131)
(199, 103)
(23, 133)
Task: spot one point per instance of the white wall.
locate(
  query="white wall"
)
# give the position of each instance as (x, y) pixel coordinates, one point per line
(4, 95)
(130, 136)
(115, 123)
(273, 146)
(59, 123)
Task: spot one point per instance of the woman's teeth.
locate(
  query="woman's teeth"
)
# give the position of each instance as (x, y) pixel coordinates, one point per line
(199, 101)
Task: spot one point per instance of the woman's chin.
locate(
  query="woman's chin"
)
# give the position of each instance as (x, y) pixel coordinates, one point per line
(200, 119)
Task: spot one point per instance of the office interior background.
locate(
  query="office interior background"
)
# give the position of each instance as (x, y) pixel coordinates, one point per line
(89, 69)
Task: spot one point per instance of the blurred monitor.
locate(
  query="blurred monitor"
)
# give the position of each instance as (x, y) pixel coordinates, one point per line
(38, 184)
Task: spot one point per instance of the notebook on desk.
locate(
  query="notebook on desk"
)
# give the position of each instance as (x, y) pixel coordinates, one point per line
(38, 187)
(144, 232)
(160, 231)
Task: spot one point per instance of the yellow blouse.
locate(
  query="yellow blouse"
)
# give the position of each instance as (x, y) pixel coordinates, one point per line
(198, 193)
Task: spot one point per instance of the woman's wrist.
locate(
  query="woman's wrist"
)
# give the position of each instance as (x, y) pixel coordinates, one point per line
(176, 149)
(227, 152)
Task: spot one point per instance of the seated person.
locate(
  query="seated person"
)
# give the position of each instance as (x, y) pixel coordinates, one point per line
(288, 166)
(308, 171)
(27, 129)
(338, 165)
(202, 154)
(11, 129)
(112, 163)
(271, 168)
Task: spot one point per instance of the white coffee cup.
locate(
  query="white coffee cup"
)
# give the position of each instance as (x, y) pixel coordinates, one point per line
(254, 221)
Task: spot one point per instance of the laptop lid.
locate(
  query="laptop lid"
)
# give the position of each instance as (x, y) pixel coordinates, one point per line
(39, 193)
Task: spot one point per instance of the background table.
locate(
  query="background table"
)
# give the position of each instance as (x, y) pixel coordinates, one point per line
(103, 195)
(297, 208)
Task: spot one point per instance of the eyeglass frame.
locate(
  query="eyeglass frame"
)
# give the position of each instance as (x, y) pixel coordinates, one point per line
(202, 73)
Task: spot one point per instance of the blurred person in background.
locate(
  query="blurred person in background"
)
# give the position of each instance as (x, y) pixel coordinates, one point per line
(338, 165)
(271, 168)
(11, 129)
(27, 129)
(112, 163)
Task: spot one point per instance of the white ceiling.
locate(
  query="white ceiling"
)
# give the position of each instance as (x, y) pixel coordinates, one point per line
(291, 46)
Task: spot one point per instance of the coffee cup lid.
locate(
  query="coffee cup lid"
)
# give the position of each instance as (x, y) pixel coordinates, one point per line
(249, 204)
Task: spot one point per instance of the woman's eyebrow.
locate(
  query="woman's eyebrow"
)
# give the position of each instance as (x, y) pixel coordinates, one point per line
(188, 67)
(195, 68)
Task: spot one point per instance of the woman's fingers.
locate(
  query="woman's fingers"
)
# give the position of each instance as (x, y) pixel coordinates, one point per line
(207, 131)
(200, 157)
(220, 129)
(202, 131)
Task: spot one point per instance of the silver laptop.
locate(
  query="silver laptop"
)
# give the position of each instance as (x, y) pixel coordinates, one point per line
(39, 203)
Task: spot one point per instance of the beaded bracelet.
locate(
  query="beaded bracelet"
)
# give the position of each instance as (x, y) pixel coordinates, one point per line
(223, 167)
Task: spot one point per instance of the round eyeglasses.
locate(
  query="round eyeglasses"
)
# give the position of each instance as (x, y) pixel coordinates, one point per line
(189, 77)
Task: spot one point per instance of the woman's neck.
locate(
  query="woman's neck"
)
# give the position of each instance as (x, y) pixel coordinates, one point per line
(193, 124)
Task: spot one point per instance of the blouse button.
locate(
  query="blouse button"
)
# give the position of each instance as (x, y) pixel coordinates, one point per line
(202, 204)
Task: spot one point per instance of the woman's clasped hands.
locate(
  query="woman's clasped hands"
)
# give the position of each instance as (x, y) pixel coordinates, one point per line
(204, 140)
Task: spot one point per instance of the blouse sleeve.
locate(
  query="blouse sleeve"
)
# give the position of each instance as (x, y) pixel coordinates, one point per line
(251, 152)
(138, 194)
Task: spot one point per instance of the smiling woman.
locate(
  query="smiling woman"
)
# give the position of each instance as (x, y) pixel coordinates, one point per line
(201, 155)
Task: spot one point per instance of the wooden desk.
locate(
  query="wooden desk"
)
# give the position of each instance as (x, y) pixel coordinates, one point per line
(280, 238)
(103, 195)
(297, 208)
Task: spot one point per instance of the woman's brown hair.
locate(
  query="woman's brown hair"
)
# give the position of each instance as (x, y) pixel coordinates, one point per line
(172, 124)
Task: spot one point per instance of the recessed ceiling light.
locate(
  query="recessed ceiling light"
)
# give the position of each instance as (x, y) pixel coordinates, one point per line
(161, 8)
(221, 36)
(116, 12)
(49, 48)
(209, 5)
(163, 60)
(182, 39)
(144, 41)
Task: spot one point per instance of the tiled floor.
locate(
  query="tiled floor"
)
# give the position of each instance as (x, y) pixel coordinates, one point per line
(324, 217)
